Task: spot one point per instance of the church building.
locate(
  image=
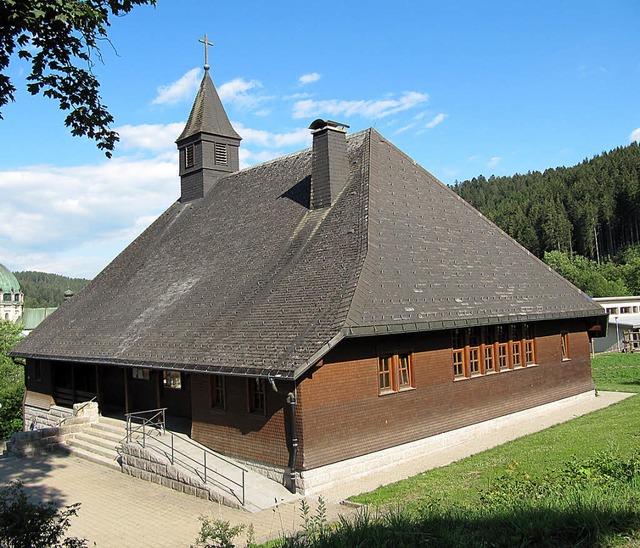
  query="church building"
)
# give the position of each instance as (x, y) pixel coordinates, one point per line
(12, 301)
(323, 310)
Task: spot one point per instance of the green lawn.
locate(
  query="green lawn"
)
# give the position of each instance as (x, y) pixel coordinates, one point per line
(577, 483)
(617, 372)
(617, 426)
(551, 488)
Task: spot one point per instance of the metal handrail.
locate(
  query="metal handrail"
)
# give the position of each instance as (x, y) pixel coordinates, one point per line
(172, 456)
(152, 420)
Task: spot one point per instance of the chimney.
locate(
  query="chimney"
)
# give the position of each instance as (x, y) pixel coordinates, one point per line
(330, 168)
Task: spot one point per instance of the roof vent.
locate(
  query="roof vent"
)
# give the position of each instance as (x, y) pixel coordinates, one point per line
(330, 169)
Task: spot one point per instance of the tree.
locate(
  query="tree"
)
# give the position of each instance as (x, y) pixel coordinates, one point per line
(57, 36)
(11, 381)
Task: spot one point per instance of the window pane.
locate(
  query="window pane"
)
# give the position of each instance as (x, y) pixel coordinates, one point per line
(384, 374)
(404, 371)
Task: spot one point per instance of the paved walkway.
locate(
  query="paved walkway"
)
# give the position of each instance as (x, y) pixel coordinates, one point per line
(121, 511)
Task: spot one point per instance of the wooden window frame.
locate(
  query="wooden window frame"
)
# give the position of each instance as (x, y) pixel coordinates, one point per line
(564, 346)
(257, 396)
(405, 372)
(218, 392)
(395, 373)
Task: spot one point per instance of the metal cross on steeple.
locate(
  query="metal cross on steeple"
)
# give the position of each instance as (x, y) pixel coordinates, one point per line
(206, 51)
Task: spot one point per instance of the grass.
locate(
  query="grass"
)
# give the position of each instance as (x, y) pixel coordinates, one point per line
(617, 426)
(617, 372)
(576, 483)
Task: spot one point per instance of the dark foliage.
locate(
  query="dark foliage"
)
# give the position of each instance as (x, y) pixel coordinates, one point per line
(11, 382)
(592, 209)
(41, 289)
(25, 524)
(60, 39)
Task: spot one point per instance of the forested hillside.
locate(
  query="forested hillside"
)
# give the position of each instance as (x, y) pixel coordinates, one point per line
(592, 208)
(42, 289)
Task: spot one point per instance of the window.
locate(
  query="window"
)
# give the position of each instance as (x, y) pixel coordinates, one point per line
(220, 154)
(257, 397)
(404, 372)
(529, 346)
(502, 338)
(564, 345)
(625, 310)
(217, 390)
(189, 156)
(172, 379)
(17, 297)
(395, 373)
(6, 297)
(384, 375)
(457, 344)
(516, 345)
(141, 374)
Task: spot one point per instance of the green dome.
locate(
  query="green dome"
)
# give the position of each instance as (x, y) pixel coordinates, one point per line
(8, 281)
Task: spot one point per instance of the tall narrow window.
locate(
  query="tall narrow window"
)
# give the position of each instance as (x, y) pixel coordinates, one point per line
(404, 372)
(217, 388)
(257, 397)
(189, 156)
(457, 345)
(529, 346)
(564, 343)
(487, 340)
(502, 337)
(516, 346)
(473, 337)
(384, 375)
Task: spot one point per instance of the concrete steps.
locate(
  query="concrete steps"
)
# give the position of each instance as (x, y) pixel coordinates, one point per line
(99, 443)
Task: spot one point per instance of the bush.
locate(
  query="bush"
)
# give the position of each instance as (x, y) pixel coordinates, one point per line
(25, 524)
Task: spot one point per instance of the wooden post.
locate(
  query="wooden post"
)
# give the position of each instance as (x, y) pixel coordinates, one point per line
(127, 403)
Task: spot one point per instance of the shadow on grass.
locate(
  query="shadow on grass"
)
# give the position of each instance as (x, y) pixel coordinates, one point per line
(547, 527)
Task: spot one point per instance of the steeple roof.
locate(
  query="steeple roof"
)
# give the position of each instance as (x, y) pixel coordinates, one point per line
(207, 114)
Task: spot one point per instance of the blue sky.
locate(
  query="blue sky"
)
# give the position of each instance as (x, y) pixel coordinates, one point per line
(465, 88)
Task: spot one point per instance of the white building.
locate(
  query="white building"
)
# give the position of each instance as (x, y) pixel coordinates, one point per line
(12, 298)
(623, 334)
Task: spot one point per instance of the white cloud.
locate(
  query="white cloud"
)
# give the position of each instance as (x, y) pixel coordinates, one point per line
(404, 128)
(436, 120)
(75, 220)
(635, 135)
(153, 137)
(180, 90)
(377, 108)
(309, 78)
(299, 137)
(236, 92)
(494, 161)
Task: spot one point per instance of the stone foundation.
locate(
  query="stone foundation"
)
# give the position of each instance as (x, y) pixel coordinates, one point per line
(63, 424)
(142, 463)
(311, 481)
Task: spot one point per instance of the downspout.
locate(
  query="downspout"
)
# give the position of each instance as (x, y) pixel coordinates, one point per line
(293, 447)
(293, 451)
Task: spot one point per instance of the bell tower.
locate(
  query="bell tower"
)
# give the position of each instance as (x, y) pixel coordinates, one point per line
(208, 145)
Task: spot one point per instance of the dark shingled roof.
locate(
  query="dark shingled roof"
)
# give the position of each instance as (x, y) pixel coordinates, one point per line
(249, 281)
(208, 114)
